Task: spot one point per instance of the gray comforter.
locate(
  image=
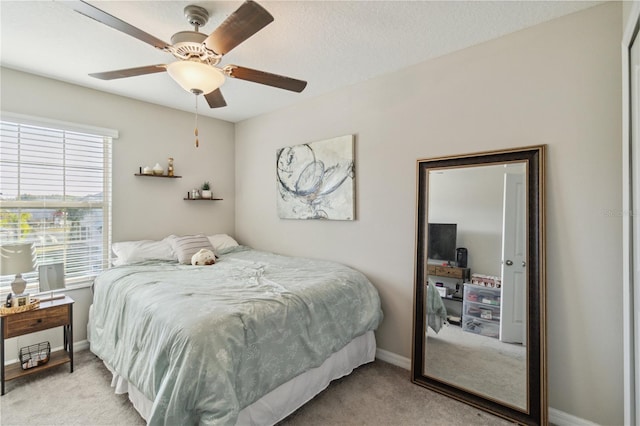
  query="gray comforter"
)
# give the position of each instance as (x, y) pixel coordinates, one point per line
(203, 342)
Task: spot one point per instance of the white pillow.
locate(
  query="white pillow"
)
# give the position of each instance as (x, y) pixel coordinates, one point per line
(135, 251)
(185, 247)
(221, 242)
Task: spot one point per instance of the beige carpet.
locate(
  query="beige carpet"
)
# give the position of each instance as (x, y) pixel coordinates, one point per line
(483, 365)
(374, 394)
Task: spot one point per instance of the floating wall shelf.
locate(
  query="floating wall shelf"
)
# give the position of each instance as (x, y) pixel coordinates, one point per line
(202, 199)
(158, 176)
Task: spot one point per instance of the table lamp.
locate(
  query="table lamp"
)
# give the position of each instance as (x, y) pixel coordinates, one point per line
(16, 259)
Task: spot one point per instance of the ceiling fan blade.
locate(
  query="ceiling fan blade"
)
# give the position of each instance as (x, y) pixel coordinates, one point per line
(129, 72)
(215, 99)
(118, 24)
(247, 20)
(269, 79)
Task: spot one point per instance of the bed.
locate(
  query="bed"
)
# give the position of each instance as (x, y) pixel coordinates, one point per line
(247, 340)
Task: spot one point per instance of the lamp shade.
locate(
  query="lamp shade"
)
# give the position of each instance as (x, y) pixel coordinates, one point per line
(196, 76)
(16, 259)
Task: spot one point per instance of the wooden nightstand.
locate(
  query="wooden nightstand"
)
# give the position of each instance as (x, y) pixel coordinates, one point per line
(50, 314)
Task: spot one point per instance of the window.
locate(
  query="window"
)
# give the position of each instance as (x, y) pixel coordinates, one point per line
(55, 192)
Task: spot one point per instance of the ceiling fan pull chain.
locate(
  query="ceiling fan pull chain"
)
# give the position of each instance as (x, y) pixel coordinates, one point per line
(196, 128)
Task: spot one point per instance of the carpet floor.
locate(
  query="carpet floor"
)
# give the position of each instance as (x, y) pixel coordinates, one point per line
(481, 364)
(374, 394)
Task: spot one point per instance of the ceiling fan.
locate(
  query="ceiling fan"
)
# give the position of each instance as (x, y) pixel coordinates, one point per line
(198, 55)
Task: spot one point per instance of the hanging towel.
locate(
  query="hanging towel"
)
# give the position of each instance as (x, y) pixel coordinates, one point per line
(436, 311)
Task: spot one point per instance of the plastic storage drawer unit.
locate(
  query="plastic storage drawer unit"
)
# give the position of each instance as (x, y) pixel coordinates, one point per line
(481, 310)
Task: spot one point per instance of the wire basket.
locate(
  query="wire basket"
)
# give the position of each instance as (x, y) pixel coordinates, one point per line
(34, 355)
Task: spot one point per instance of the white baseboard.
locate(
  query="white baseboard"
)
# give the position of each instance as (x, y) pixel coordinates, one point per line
(560, 418)
(556, 417)
(81, 345)
(394, 359)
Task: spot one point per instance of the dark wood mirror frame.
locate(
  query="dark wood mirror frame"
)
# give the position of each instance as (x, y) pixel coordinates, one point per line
(536, 411)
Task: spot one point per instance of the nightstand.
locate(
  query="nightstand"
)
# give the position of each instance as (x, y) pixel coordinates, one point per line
(50, 314)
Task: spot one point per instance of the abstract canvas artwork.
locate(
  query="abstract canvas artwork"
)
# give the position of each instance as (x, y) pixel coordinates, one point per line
(317, 180)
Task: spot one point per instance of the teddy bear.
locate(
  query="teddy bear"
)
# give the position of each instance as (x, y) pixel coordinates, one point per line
(203, 257)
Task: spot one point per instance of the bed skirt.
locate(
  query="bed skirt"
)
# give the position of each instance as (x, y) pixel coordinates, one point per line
(286, 398)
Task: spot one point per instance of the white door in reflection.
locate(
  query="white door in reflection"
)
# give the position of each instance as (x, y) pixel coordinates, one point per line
(514, 256)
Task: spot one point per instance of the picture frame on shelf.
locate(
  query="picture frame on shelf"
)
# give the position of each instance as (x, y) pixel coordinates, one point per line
(20, 300)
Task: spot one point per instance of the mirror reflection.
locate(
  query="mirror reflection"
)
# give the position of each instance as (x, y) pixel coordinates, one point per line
(476, 272)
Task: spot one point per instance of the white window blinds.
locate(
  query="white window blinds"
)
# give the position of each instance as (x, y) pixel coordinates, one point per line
(55, 192)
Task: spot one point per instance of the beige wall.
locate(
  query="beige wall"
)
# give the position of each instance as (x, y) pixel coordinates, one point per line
(556, 84)
(472, 198)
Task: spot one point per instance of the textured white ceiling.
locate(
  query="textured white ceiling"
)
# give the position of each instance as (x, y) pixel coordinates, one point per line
(330, 44)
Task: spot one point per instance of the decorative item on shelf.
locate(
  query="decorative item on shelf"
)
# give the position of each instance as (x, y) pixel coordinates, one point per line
(486, 280)
(149, 172)
(34, 355)
(195, 194)
(170, 167)
(16, 259)
(206, 191)
(158, 170)
(19, 300)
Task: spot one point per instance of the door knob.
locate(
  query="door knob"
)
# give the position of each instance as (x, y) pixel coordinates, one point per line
(509, 263)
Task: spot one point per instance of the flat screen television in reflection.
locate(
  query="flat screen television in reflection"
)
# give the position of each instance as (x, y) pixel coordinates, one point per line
(442, 242)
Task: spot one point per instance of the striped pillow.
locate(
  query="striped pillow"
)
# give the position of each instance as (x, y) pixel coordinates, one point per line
(185, 247)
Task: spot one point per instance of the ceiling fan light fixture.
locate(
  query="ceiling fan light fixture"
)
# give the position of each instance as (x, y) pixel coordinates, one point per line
(196, 76)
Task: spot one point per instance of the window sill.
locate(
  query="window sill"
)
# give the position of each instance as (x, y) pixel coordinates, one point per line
(33, 290)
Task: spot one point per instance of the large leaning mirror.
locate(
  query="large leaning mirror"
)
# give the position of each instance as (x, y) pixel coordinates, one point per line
(479, 300)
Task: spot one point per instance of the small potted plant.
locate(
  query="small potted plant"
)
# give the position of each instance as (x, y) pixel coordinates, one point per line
(206, 191)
